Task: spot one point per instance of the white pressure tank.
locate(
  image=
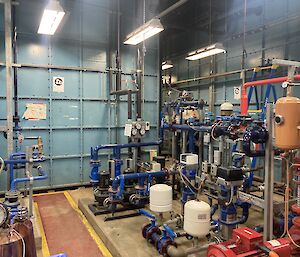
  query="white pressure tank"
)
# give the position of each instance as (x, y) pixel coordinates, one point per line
(196, 218)
(160, 198)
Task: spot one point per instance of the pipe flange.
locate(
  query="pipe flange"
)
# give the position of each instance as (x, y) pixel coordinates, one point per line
(151, 232)
(164, 248)
(145, 229)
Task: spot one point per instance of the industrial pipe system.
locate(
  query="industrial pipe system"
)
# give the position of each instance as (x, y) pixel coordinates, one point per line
(43, 175)
(244, 97)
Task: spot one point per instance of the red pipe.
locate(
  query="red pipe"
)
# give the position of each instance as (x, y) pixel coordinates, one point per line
(244, 97)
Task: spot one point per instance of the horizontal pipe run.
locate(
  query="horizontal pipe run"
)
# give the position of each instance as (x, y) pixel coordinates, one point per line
(58, 67)
(13, 185)
(123, 92)
(269, 81)
(132, 145)
(187, 127)
(124, 177)
(171, 9)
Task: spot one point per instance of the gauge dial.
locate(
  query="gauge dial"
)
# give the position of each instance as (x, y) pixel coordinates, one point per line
(3, 215)
(142, 131)
(134, 132)
(138, 126)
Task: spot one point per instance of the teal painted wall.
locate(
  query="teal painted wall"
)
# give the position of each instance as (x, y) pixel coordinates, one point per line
(84, 115)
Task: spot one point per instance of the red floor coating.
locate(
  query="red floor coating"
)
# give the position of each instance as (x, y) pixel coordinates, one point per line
(64, 230)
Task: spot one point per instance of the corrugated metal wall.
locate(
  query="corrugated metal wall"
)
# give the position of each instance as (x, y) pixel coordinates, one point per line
(83, 115)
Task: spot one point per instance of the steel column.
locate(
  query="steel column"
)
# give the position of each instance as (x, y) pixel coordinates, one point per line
(269, 177)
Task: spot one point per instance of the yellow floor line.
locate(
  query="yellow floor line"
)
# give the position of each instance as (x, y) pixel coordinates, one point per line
(45, 248)
(92, 232)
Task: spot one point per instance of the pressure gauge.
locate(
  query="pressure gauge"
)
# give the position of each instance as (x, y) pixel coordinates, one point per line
(142, 131)
(134, 132)
(3, 215)
(138, 126)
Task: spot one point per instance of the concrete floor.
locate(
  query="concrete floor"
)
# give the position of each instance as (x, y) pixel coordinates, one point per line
(123, 237)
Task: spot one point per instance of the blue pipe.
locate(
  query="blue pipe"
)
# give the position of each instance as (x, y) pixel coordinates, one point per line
(170, 232)
(19, 180)
(191, 142)
(147, 214)
(187, 127)
(95, 177)
(242, 220)
(120, 180)
(257, 135)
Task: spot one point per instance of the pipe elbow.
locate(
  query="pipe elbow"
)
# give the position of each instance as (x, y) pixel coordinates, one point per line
(175, 252)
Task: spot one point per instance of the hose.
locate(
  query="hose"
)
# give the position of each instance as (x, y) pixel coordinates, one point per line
(23, 242)
(2, 165)
(231, 196)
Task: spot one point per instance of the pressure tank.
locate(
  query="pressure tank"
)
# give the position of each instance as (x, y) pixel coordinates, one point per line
(287, 123)
(226, 109)
(196, 218)
(160, 198)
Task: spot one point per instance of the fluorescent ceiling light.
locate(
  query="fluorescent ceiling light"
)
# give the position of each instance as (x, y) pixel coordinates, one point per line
(52, 16)
(166, 65)
(147, 30)
(206, 51)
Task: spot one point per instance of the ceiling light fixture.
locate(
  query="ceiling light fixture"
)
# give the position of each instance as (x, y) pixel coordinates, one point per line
(167, 65)
(52, 17)
(206, 51)
(145, 31)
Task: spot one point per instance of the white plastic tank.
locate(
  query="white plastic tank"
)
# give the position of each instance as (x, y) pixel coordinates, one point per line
(160, 198)
(196, 218)
(226, 109)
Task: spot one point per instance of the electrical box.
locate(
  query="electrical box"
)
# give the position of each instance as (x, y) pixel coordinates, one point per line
(214, 170)
(136, 129)
(189, 159)
(205, 167)
(217, 157)
(155, 166)
(206, 138)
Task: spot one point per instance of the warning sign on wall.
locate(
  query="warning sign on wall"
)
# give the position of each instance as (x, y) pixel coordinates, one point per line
(237, 93)
(58, 84)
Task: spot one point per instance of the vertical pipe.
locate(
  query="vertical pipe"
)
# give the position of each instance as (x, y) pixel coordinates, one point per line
(15, 60)
(184, 139)
(118, 55)
(9, 84)
(28, 173)
(139, 71)
(269, 177)
(129, 118)
(129, 105)
(174, 146)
